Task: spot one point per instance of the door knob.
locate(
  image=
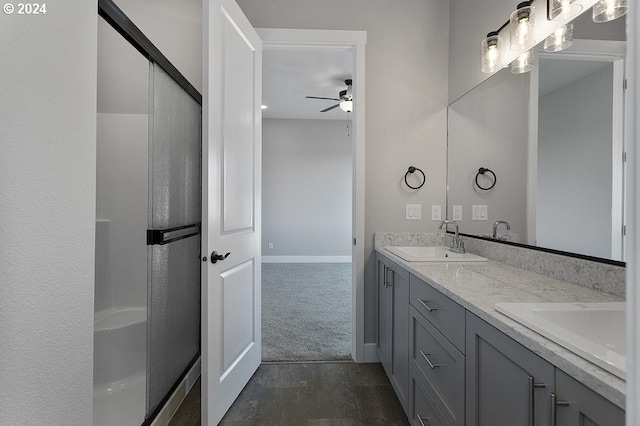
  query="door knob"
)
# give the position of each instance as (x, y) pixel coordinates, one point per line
(215, 256)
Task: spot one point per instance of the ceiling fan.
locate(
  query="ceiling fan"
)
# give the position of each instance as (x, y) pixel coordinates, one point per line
(345, 102)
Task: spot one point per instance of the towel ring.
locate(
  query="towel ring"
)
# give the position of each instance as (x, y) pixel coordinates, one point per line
(411, 170)
(482, 171)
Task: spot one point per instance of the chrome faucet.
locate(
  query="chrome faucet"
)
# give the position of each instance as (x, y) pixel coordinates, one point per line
(495, 227)
(457, 245)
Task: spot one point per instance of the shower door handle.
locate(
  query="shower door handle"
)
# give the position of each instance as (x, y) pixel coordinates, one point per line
(215, 256)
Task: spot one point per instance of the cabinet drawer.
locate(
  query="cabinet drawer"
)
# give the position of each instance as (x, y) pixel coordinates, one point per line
(445, 314)
(424, 411)
(440, 364)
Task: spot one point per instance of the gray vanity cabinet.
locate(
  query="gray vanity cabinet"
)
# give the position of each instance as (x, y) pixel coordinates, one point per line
(506, 384)
(393, 325)
(577, 405)
(437, 364)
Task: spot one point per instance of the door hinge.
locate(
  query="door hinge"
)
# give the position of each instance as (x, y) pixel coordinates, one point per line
(354, 241)
(624, 157)
(624, 230)
(624, 84)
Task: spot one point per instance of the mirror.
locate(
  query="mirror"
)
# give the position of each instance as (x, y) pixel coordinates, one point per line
(552, 141)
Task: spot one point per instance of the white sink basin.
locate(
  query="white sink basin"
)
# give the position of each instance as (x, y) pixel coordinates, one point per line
(432, 254)
(595, 331)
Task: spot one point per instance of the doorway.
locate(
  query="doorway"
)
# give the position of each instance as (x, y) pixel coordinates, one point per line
(338, 244)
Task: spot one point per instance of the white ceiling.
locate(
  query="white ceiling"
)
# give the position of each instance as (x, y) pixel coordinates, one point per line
(291, 73)
(556, 73)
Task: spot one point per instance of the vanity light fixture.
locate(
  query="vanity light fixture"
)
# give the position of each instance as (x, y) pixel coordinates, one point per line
(562, 9)
(524, 63)
(608, 10)
(522, 26)
(560, 39)
(491, 47)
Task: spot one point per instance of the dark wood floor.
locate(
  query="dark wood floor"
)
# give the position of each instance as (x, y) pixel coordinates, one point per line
(327, 394)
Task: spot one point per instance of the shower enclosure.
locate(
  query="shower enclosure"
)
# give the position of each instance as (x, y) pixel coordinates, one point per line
(148, 208)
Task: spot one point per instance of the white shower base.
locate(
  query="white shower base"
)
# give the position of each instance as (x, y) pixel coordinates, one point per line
(119, 375)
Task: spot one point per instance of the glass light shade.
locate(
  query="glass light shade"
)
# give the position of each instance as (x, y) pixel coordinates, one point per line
(608, 10)
(491, 60)
(522, 26)
(562, 9)
(346, 106)
(560, 39)
(524, 63)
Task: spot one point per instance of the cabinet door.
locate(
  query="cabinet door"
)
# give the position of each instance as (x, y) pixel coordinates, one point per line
(399, 286)
(383, 338)
(507, 385)
(578, 405)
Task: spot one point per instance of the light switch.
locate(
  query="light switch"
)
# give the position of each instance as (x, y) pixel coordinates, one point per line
(413, 211)
(436, 212)
(457, 212)
(479, 212)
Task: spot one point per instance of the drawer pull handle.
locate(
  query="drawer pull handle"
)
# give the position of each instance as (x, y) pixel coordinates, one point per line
(388, 281)
(422, 420)
(431, 364)
(425, 304)
(532, 386)
(554, 404)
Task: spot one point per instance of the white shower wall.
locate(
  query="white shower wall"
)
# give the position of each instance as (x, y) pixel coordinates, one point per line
(121, 210)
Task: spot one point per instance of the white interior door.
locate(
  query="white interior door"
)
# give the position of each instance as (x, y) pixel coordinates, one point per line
(231, 335)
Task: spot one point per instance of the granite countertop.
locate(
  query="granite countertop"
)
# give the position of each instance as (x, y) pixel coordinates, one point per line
(479, 286)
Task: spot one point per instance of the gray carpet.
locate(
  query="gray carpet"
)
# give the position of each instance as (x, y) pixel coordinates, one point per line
(306, 311)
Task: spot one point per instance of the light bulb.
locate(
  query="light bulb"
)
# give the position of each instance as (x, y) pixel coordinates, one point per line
(523, 63)
(563, 9)
(560, 39)
(522, 27)
(491, 61)
(608, 10)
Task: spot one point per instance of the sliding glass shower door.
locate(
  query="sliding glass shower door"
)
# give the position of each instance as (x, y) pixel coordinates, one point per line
(173, 236)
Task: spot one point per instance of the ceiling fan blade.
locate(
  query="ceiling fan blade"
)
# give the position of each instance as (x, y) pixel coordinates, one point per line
(330, 108)
(328, 99)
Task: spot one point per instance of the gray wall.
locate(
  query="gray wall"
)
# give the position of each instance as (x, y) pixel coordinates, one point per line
(489, 128)
(575, 166)
(47, 193)
(175, 28)
(306, 187)
(406, 99)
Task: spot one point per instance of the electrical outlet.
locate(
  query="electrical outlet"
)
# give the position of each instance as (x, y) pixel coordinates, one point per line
(457, 212)
(413, 211)
(479, 212)
(270, 245)
(436, 212)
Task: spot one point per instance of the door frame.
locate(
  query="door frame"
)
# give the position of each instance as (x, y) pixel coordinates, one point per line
(614, 52)
(355, 40)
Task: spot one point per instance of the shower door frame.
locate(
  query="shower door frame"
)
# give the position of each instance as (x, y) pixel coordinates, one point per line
(115, 17)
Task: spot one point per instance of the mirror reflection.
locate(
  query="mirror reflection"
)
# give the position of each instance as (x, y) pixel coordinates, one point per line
(552, 141)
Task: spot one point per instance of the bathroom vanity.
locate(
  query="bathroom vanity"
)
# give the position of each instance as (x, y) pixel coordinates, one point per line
(453, 359)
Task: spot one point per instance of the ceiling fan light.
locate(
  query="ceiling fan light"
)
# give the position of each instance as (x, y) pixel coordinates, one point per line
(346, 106)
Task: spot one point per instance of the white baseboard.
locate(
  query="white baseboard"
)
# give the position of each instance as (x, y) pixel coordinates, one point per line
(306, 259)
(171, 407)
(370, 353)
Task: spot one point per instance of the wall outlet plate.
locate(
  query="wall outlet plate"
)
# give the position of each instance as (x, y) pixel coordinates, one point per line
(413, 211)
(479, 212)
(436, 212)
(457, 213)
